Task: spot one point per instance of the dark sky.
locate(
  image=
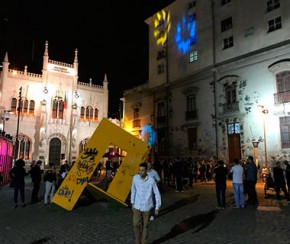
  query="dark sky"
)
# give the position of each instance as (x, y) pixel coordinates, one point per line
(111, 37)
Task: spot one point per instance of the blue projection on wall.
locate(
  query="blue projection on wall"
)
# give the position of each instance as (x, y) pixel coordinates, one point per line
(186, 33)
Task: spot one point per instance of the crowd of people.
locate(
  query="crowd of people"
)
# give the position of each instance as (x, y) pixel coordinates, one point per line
(51, 178)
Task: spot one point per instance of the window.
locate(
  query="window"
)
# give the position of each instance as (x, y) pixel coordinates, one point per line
(228, 42)
(192, 138)
(161, 109)
(82, 112)
(283, 81)
(136, 113)
(31, 107)
(231, 94)
(57, 108)
(160, 69)
(233, 128)
(191, 112)
(272, 4)
(191, 4)
(250, 31)
(274, 24)
(23, 147)
(224, 2)
(96, 115)
(14, 105)
(89, 113)
(226, 24)
(285, 131)
(25, 107)
(161, 54)
(192, 56)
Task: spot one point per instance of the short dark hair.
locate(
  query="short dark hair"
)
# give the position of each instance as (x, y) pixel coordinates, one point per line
(143, 165)
(39, 162)
(220, 162)
(251, 158)
(236, 161)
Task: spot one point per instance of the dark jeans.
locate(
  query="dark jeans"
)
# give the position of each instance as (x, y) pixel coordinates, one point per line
(281, 186)
(251, 191)
(179, 185)
(35, 190)
(19, 187)
(220, 196)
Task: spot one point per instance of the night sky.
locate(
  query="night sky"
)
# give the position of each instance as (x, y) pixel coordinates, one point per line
(111, 37)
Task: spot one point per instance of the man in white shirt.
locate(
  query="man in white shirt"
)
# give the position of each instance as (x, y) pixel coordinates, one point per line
(153, 173)
(142, 201)
(238, 173)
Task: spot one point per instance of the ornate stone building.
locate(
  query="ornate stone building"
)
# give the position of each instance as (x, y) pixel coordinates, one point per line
(50, 115)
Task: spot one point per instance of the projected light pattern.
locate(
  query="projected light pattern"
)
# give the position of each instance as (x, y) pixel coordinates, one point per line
(149, 135)
(163, 18)
(186, 33)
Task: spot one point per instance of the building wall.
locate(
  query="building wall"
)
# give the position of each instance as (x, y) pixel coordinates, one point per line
(57, 81)
(250, 65)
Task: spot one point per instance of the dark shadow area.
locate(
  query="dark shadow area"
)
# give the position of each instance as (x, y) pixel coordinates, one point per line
(179, 204)
(40, 241)
(201, 221)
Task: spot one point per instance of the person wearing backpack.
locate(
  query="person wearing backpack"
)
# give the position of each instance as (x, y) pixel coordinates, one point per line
(49, 181)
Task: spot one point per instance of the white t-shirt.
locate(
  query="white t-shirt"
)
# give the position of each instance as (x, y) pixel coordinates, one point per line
(238, 173)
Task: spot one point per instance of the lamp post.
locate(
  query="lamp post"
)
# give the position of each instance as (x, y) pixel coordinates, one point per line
(17, 127)
(264, 112)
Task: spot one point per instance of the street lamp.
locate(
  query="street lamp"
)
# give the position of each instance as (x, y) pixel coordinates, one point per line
(264, 111)
(17, 127)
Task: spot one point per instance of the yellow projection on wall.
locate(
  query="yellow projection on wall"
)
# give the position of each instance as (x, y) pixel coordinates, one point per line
(162, 19)
(80, 173)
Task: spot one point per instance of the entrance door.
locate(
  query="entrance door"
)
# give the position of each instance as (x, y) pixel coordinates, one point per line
(234, 141)
(54, 151)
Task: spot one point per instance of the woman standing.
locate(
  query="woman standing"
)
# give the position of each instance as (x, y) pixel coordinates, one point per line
(49, 180)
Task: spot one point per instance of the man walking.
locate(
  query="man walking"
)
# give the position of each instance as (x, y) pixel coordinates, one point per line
(279, 181)
(142, 201)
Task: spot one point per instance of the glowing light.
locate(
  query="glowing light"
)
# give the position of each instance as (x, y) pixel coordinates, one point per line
(186, 33)
(149, 135)
(163, 18)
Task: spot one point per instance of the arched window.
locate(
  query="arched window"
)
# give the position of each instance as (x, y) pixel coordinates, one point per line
(89, 113)
(31, 107)
(57, 109)
(25, 107)
(82, 112)
(14, 105)
(96, 115)
(24, 144)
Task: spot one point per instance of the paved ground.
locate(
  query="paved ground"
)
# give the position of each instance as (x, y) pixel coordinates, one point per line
(187, 217)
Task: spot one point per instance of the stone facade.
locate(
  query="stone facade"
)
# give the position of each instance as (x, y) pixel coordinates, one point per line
(57, 112)
(223, 63)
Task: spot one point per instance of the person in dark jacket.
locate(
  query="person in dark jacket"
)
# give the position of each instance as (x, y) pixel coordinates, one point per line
(279, 182)
(251, 171)
(220, 177)
(17, 174)
(35, 174)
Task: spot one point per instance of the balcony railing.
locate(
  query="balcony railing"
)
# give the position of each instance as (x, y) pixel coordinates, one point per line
(282, 97)
(230, 107)
(136, 123)
(190, 115)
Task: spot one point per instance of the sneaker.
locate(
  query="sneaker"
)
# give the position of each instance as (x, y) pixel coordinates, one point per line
(176, 191)
(236, 207)
(151, 218)
(242, 206)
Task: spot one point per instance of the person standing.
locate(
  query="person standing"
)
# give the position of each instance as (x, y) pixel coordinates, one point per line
(287, 174)
(154, 174)
(220, 176)
(238, 173)
(49, 181)
(35, 174)
(251, 171)
(178, 170)
(142, 201)
(17, 174)
(279, 182)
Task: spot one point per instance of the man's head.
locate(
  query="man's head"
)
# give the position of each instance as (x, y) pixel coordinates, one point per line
(39, 162)
(278, 164)
(250, 159)
(286, 162)
(149, 166)
(236, 161)
(143, 170)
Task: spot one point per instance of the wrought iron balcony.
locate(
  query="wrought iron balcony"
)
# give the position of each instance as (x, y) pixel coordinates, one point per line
(282, 97)
(136, 123)
(190, 115)
(230, 107)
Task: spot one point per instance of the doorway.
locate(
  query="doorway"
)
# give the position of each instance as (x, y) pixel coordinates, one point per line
(55, 151)
(234, 142)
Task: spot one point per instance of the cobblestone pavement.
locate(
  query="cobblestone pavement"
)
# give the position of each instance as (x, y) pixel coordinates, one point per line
(185, 217)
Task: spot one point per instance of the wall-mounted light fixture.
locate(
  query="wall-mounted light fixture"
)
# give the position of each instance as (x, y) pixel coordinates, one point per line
(77, 95)
(45, 91)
